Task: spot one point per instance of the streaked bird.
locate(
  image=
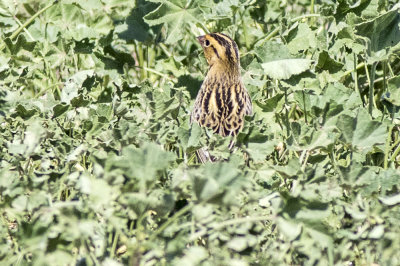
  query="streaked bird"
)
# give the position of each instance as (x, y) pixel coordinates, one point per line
(222, 101)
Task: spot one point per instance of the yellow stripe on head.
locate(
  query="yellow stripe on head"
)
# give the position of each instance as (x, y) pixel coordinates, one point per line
(219, 48)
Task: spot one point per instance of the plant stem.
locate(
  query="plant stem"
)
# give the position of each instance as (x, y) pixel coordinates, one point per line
(245, 31)
(335, 166)
(25, 30)
(140, 54)
(199, 24)
(114, 244)
(305, 109)
(304, 16)
(387, 147)
(287, 114)
(371, 102)
(312, 7)
(156, 72)
(269, 36)
(395, 153)
(165, 49)
(29, 21)
(355, 77)
(348, 72)
(171, 220)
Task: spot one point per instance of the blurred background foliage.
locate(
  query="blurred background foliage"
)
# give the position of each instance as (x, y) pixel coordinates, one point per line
(97, 157)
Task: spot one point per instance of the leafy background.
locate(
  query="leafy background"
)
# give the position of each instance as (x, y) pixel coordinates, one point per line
(97, 157)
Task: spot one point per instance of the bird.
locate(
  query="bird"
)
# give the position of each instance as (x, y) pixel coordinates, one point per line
(222, 101)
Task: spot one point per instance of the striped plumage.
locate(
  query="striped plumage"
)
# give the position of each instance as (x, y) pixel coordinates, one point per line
(222, 101)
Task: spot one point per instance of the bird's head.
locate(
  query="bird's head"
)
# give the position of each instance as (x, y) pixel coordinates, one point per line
(220, 51)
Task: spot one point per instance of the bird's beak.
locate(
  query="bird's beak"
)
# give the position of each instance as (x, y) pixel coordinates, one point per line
(201, 39)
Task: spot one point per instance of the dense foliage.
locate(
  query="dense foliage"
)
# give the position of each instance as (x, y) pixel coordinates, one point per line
(97, 155)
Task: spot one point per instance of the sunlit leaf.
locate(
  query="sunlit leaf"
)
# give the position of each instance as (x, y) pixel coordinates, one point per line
(285, 68)
(174, 15)
(383, 31)
(361, 131)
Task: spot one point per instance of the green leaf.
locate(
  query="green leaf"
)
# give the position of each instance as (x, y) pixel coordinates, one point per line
(377, 232)
(135, 27)
(285, 68)
(239, 244)
(60, 109)
(383, 31)
(361, 131)
(258, 151)
(290, 170)
(190, 138)
(391, 99)
(390, 201)
(174, 16)
(219, 180)
(289, 228)
(272, 51)
(269, 104)
(20, 203)
(325, 62)
(304, 38)
(143, 163)
(193, 256)
(344, 7)
(25, 113)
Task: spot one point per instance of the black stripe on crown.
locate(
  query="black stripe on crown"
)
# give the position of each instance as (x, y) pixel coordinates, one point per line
(228, 44)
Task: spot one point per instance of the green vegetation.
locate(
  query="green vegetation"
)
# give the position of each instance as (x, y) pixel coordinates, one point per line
(97, 156)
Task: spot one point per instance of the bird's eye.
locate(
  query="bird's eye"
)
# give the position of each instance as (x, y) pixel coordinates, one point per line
(207, 43)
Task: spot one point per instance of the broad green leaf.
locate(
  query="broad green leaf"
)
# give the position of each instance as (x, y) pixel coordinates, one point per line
(391, 99)
(239, 244)
(7, 7)
(135, 28)
(304, 38)
(313, 214)
(285, 68)
(259, 151)
(290, 229)
(143, 163)
(344, 7)
(325, 62)
(383, 31)
(220, 9)
(272, 51)
(292, 169)
(377, 232)
(71, 89)
(32, 139)
(392, 200)
(270, 104)
(42, 31)
(60, 109)
(26, 111)
(217, 180)
(20, 203)
(54, 258)
(4, 63)
(174, 15)
(362, 132)
(190, 137)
